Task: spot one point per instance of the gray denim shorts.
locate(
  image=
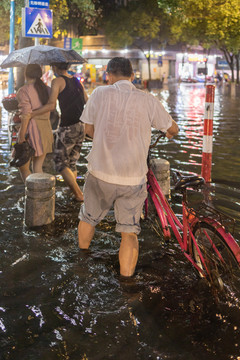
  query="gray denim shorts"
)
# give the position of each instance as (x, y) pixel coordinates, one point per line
(100, 196)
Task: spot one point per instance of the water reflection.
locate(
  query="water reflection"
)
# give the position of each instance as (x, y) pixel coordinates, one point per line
(186, 104)
(59, 303)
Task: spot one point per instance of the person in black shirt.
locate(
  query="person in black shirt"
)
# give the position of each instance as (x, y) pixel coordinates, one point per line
(72, 97)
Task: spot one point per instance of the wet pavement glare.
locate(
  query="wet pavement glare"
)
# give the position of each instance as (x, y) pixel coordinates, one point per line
(57, 302)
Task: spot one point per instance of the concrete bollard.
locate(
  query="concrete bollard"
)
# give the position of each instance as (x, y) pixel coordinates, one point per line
(161, 170)
(39, 199)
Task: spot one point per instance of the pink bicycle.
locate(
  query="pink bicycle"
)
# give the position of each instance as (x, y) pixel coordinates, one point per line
(202, 234)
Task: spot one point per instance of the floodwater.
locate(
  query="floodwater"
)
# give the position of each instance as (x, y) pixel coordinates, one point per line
(57, 302)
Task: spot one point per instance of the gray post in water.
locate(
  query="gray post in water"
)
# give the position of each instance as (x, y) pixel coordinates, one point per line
(161, 170)
(39, 199)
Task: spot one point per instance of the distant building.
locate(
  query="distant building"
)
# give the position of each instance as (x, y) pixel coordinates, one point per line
(173, 63)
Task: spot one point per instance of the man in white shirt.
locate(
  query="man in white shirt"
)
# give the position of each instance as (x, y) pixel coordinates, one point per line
(119, 118)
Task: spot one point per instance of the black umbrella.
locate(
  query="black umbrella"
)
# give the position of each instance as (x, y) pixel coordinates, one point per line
(42, 55)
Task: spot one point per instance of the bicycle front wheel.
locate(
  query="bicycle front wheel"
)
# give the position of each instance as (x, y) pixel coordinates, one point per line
(220, 261)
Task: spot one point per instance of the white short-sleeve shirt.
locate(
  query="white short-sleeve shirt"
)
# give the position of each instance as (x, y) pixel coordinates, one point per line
(122, 116)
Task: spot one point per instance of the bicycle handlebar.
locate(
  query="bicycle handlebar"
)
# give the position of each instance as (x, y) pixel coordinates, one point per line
(161, 135)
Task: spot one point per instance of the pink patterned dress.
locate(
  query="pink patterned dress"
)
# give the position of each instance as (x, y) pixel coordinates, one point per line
(39, 128)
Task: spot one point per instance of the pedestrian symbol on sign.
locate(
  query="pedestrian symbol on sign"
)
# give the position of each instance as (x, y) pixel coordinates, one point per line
(38, 27)
(77, 44)
(36, 23)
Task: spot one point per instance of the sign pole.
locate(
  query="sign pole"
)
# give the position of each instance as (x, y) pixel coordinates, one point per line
(11, 46)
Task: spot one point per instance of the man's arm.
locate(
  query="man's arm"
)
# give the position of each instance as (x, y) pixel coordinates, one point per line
(161, 119)
(89, 130)
(84, 93)
(173, 130)
(51, 104)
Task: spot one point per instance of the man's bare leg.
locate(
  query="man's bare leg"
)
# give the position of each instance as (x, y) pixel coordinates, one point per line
(85, 234)
(128, 253)
(70, 180)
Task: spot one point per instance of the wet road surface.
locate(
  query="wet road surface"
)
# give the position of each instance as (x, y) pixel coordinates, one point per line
(59, 303)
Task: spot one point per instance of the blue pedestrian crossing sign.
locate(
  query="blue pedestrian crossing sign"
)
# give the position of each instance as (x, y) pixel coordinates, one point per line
(36, 23)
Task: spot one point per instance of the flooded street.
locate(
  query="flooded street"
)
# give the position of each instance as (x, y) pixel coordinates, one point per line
(57, 302)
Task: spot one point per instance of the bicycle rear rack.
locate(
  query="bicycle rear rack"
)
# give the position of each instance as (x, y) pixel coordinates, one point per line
(204, 210)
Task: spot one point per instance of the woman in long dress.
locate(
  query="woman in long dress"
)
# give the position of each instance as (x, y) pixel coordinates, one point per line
(37, 130)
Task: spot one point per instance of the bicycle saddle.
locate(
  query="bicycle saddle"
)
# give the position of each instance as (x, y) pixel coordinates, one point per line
(183, 182)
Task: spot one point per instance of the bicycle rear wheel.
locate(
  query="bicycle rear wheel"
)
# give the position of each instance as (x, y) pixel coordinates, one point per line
(222, 265)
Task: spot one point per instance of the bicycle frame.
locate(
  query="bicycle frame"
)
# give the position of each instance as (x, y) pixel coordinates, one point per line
(184, 231)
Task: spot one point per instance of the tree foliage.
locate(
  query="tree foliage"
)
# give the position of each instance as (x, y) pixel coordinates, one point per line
(129, 24)
(78, 16)
(5, 18)
(136, 25)
(210, 23)
(144, 23)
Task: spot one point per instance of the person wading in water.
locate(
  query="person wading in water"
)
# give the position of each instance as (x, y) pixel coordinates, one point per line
(70, 134)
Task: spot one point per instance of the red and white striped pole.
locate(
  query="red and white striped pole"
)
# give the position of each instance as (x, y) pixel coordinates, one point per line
(208, 133)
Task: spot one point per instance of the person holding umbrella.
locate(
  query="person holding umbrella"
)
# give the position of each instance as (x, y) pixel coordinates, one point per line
(72, 97)
(36, 129)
